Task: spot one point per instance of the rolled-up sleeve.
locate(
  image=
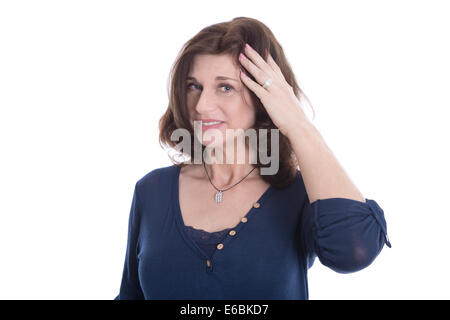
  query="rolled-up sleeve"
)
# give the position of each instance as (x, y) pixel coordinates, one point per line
(346, 235)
(130, 288)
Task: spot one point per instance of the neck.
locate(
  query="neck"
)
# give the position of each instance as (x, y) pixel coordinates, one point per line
(225, 174)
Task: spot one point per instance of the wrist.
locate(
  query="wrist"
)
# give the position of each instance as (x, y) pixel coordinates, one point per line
(299, 128)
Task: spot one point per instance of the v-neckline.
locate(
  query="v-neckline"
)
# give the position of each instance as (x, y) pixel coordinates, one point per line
(182, 227)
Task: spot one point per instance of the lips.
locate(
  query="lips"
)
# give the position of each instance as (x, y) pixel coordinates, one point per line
(215, 124)
(209, 120)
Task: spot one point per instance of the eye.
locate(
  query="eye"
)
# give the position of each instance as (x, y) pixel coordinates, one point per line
(227, 86)
(220, 85)
(190, 84)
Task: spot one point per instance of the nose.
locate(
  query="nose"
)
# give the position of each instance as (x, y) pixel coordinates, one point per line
(206, 103)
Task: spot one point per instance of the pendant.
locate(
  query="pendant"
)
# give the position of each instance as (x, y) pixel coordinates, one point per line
(219, 196)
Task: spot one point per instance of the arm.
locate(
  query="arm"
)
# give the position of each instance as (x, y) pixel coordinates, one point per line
(345, 230)
(323, 176)
(130, 288)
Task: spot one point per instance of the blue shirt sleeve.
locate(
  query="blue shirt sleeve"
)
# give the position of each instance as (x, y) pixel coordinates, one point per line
(346, 235)
(130, 288)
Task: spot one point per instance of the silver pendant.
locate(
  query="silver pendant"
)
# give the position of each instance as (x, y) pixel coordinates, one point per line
(219, 197)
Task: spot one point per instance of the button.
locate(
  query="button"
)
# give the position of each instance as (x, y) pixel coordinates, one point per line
(256, 205)
(208, 263)
(244, 219)
(232, 233)
(220, 246)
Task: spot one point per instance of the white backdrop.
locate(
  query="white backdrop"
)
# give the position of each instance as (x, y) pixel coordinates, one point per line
(84, 83)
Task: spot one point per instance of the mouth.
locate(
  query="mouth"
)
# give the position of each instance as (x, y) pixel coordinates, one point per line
(208, 123)
(211, 125)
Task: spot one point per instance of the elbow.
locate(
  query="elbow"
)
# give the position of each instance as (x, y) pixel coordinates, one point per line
(360, 259)
(350, 241)
(352, 258)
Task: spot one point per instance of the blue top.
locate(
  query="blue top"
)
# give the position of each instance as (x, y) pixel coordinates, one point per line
(207, 241)
(267, 257)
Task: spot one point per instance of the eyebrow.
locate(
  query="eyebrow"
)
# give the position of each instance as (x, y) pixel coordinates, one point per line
(217, 78)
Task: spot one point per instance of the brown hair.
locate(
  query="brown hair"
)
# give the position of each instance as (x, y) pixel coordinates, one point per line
(230, 38)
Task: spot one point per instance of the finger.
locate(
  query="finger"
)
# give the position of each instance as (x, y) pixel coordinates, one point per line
(256, 72)
(252, 85)
(277, 69)
(273, 64)
(258, 60)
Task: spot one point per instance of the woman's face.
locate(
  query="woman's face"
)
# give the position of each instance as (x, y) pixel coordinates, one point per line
(214, 91)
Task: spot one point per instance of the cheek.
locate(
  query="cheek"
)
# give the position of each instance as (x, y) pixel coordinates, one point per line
(243, 117)
(248, 116)
(248, 108)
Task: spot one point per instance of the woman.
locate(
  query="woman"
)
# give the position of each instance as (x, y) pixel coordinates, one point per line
(215, 230)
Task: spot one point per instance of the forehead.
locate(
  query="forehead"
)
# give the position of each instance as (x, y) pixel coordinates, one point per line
(209, 65)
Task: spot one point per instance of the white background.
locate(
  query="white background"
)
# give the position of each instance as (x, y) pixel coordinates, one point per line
(84, 83)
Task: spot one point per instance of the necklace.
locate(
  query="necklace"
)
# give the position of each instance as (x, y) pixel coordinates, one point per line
(219, 195)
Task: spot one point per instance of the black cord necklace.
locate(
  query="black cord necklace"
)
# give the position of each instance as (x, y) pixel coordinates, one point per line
(219, 194)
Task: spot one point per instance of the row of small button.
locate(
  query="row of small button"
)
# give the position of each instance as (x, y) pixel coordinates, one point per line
(233, 232)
